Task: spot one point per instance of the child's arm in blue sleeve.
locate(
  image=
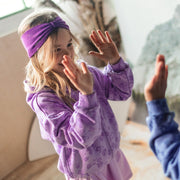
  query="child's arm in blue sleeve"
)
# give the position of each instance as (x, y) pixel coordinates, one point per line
(165, 137)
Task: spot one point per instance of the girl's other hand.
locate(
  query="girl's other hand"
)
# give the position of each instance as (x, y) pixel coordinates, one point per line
(108, 51)
(156, 87)
(81, 78)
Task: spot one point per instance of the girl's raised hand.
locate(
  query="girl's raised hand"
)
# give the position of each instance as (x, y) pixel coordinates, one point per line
(108, 51)
(156, 87)
(81, 78)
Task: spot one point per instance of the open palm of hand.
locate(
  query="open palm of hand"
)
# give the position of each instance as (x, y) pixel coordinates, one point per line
(108, 51)
(81, 78)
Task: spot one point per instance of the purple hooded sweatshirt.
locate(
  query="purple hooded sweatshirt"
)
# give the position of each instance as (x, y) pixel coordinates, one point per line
(87, 137)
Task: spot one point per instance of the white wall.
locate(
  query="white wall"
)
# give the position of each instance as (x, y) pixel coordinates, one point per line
(10, 24)
(136, 18)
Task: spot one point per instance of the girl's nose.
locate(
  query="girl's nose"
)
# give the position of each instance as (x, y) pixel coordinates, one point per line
(66, 52)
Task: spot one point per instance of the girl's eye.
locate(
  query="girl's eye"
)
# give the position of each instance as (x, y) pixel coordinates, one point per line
(58, 50)
(70, 44)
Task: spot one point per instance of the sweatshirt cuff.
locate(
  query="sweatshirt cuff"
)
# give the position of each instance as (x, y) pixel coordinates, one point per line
(87, 101)
(119, 66)
(157, 107)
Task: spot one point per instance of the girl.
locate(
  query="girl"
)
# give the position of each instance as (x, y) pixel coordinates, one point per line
(70, 100)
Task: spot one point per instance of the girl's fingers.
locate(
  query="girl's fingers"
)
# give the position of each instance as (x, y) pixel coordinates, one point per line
(160, 58)
(96, 54)
(160, 67)
(166, 72)
(161, 71)
(96, 37)
(70, 62)
(94, 41)
(84, 68)
(101, 35)
(99, 38)
(70, 67)
(108, 37)
(69, 75)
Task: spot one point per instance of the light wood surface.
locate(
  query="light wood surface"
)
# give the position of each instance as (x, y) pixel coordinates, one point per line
(134, 144)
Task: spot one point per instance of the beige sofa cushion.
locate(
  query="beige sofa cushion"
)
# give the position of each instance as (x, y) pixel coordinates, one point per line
(16, 116)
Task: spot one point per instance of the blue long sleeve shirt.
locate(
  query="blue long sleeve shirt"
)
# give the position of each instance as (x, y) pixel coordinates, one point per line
(165, 137)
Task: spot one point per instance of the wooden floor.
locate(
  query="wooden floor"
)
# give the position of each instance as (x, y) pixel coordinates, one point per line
(134, 144)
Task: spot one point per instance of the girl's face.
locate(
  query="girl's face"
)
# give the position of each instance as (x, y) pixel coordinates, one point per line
(63, 46)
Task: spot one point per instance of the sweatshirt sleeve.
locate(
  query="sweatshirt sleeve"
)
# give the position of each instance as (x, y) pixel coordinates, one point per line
(118, 81)
(76, 129)
(165, 137)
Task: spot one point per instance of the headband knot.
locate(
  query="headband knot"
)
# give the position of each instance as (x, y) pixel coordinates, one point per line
(53, 25)
(35, 37)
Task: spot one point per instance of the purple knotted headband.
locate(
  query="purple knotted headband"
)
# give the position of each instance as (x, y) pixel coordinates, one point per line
(35, 37)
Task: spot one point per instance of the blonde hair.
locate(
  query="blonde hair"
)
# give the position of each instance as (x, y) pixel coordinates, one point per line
(39, 72)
